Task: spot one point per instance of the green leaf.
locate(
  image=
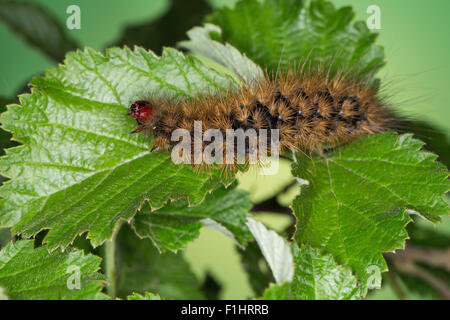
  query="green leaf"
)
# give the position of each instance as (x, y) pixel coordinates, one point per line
(146, 296)
(38, 27)
(275, 250)
(80, 169)
(27, 273)
(228, 56)
(174, 225)
(286, 32)
(355, 205)
(141, 268)
(316, 277)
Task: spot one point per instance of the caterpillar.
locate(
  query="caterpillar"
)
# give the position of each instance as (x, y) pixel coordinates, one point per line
(311, 110)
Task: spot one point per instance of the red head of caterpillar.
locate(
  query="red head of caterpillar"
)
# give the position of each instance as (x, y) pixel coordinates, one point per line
(142, 111)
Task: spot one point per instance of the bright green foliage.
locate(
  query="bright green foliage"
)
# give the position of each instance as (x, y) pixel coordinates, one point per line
(316, 277)
(354, 206)
(287, 32)
(80, 169)
(140, 267)
(174, 225)
(27, 273)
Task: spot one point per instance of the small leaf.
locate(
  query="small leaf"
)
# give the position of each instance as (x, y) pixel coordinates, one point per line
(38, 27)
(146, 296)
(354, 206)
(174, 225)
(201, 43)
(80, 169)
(141, 268)
(27, 273)
(283, 33)
(275, 250)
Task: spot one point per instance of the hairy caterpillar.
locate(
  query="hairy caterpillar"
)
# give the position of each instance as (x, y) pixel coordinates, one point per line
(311, 110)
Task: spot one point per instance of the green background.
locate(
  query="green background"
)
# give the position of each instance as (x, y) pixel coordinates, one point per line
(415, 37)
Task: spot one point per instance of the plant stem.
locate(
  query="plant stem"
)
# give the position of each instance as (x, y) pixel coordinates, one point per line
(110, 263)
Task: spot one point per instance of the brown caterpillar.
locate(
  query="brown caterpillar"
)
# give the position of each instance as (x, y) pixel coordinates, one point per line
(310, 109)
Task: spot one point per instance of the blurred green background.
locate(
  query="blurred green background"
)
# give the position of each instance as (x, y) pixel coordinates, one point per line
(415, 37)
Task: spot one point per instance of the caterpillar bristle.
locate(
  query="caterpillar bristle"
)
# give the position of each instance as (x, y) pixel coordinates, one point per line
(311, 109)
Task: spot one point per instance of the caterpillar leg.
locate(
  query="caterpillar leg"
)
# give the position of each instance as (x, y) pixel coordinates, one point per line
(138, 129)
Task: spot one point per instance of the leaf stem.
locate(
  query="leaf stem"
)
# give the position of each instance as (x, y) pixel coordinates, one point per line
(110, 263)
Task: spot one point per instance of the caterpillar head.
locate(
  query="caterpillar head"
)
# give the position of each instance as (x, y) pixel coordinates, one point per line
(143, 112)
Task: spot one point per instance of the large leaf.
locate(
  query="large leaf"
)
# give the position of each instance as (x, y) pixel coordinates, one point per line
(27, 273)
(286, 32)
(316, 277)
(37, 27)
(355, 205)
(80, 169)
(140, 268)
(174, 225)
